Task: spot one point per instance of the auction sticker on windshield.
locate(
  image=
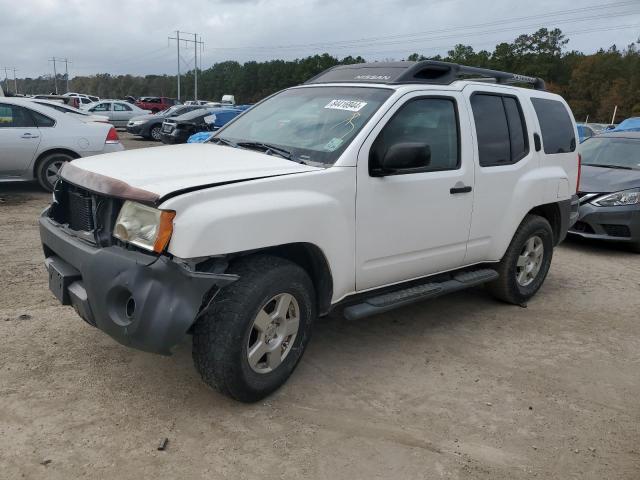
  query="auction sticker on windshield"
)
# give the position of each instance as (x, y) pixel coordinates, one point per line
(349, 105)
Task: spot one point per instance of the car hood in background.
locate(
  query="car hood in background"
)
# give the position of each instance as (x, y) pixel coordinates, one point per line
(607, 180)
(151, 174)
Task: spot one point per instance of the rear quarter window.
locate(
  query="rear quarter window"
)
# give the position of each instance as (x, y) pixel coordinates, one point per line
(558, 135)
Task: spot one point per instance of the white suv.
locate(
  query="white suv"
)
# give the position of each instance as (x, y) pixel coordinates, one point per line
(368, 188)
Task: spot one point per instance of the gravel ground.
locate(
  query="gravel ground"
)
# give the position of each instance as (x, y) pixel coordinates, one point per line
(459, 387)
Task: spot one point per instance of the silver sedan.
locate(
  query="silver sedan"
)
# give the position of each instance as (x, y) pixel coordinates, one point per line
(118, 112)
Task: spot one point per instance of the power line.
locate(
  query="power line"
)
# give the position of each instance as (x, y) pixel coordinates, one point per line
(351, 42)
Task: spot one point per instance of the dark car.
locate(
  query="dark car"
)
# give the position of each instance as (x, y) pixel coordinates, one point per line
(179, 129)
(149, 126)
(610, 188)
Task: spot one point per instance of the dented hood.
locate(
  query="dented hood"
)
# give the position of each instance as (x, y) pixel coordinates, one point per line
(151, 174)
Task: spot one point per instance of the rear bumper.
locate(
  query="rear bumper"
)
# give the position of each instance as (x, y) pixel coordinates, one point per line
(619, 224)
(176, 136)
(113, 147)
(143, 301)
(569, 212)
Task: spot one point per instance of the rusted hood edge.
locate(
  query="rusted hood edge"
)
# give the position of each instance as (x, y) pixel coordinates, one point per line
(104, 185)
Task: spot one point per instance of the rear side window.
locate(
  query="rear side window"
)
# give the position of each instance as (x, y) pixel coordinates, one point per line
(42, 120)
(555, 125)
(500, 128)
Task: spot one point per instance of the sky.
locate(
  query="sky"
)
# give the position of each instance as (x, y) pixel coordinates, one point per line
(131, 36)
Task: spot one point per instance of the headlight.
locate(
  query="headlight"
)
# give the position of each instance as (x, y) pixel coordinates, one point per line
(626, 197)
(144, 226)
(137, 122)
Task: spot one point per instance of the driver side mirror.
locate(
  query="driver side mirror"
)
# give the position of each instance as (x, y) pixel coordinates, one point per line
(409, 157)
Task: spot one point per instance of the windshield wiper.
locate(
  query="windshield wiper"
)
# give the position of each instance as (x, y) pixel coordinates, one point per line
(224, 141)
(618, 167)
(267, 148)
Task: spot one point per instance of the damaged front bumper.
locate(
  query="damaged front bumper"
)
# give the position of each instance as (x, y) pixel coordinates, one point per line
(143, 301)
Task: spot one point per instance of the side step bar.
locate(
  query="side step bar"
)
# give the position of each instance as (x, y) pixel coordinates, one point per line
(400, 298)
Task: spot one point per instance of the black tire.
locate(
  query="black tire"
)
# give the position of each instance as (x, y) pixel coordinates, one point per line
(222, 335)
(507, 287)
(155, 133)
(47, 165)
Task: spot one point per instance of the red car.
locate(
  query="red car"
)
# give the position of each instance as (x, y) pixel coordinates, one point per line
(156, 104)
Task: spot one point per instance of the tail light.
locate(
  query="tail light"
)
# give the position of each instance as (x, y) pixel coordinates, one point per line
(112, 136)
(579, 172)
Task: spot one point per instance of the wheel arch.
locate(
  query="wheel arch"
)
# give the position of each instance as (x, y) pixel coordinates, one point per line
(550, 212)
(46, 153)
(311, 258)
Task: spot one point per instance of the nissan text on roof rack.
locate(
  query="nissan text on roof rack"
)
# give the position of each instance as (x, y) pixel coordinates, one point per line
(368, 188)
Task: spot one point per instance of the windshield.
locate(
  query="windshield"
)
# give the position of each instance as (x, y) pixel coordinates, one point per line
(611, 152)
(315, 124)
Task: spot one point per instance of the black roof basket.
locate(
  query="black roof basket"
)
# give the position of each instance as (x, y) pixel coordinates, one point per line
(427, 71)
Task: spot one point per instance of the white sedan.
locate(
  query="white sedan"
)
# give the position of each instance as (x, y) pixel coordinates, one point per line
(118, 111)
(36, 140)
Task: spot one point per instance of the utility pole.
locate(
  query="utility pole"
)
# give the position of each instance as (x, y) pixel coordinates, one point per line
(196, 43)
(15, 82)
(55, 72)
(6, 79)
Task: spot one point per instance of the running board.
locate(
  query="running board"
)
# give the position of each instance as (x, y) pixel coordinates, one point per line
(400, 298)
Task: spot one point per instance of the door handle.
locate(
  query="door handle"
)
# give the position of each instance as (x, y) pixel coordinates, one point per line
(28, 135)
(460, 189)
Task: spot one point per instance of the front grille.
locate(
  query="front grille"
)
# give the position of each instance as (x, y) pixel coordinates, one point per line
(80, 210)
(91, 215)
(617, 230)
(582, 227)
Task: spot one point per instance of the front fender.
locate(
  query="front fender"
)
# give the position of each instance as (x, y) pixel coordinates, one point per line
(315, 207)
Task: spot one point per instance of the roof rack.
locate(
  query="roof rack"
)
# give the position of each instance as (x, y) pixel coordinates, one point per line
(427, 71)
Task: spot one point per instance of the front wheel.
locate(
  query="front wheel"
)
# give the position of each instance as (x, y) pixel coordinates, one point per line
(156, 133)
(253, 335)
(526, 262)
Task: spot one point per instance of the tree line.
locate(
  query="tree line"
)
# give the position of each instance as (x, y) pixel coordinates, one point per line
(592, 84)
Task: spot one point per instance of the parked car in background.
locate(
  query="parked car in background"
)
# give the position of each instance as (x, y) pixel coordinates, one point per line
(179, 129)
(610, 188)
(130, 99)
(629, 125)
(584, 132)
(156, 104)
(198, 102)
(79, 114)
(71, 101)
(91, 98)
(150, 126)
(36, 140)
(119, 112)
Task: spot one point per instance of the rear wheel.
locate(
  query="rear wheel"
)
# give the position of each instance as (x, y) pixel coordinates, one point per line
(156, 132)
(48, 169)
(526, 262)
(255, 332)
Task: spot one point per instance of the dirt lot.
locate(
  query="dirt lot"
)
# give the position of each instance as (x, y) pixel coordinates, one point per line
(460, 387)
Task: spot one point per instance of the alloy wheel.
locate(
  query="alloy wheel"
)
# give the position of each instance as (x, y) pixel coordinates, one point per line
(273, 333)
(530, 261)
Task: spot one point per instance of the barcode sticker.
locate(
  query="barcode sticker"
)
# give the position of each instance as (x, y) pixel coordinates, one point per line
(349, 105)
